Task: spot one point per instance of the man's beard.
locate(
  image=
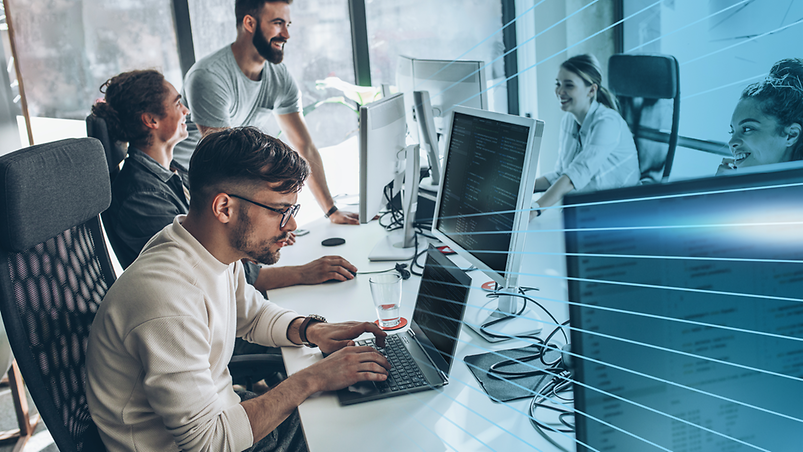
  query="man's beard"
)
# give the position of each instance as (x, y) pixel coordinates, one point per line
(265, 48)
(257, 252)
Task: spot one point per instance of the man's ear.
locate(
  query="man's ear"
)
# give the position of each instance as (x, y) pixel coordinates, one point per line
(249, 23)
(792, 134)
(223, 208)
(149, 120)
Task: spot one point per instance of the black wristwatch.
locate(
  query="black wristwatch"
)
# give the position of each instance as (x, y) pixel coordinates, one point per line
(330, 212)
(302, 330)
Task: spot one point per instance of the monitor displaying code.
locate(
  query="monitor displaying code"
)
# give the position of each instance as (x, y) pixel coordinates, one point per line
(688, 315)
(481, 183)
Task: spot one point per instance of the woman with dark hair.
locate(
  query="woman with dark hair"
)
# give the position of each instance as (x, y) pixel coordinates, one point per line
(144, 109)
(597, 151)
(768, 120)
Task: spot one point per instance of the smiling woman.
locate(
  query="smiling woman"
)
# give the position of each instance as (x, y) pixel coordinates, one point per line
(596, 147)
(768, 120)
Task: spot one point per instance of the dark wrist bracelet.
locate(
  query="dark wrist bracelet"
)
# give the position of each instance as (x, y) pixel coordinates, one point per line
(330, 212)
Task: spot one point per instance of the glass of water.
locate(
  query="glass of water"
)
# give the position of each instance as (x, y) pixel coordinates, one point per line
(386, 292)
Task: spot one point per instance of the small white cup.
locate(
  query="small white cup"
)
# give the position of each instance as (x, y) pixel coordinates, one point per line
(386, 293)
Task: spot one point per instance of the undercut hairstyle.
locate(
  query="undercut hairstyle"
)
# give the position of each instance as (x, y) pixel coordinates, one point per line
(587, 67)
(780, 96)
(251, 8)
(126, 97)
(243, 159)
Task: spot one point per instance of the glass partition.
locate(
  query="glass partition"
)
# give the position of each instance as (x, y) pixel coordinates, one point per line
(722, 46)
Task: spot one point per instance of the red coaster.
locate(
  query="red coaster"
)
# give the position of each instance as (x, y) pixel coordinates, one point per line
(402, 324)
(490, 286)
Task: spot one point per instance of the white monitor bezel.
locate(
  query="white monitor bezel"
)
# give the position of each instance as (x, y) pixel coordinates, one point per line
(368, 210)
(526, 186)
(413, 82)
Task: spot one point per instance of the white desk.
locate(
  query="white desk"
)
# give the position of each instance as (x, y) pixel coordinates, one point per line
(459, 416)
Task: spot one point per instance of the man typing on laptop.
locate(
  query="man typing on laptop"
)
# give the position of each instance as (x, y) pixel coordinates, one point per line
(157, 354)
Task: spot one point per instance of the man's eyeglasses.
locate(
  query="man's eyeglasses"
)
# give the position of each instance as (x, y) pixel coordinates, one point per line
(291, 211)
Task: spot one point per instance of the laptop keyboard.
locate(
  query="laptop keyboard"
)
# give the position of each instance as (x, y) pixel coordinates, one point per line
(404, 372)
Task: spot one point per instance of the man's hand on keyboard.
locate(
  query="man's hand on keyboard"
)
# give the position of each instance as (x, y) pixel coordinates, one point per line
(345, 367)
(331, 337)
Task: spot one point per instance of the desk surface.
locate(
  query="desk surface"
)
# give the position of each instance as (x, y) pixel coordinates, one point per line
(459, 416)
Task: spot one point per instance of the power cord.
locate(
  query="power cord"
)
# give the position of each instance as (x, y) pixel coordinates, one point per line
(400, 268)
(521, 294)
(496, 370)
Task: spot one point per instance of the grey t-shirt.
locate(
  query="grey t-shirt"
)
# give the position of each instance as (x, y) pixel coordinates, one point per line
(218, 94)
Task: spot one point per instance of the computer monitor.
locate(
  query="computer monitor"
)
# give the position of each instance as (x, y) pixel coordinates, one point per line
(483, 204)
(686, 314)
(386, 164)
(448, 83)
(382, 143)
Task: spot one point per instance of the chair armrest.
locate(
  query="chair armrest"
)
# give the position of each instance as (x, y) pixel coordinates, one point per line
(247, 369)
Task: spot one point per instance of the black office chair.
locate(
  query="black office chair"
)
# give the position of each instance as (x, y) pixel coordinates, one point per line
(648, 90)
(115, 150)
(54, 272)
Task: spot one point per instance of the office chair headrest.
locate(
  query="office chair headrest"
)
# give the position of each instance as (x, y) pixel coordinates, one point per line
(650, 76)
(49, 188)
(115, 150)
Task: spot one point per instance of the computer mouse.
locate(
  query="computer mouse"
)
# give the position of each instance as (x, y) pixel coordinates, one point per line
(334, 241)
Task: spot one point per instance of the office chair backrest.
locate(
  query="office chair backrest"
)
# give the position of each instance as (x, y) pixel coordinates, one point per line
(648, 90)
(115, 150)
(54, 272)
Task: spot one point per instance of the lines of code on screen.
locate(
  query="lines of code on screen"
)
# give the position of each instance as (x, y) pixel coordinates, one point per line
(482, 176)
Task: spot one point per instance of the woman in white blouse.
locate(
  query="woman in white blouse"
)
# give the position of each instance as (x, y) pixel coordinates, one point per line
(596, 146)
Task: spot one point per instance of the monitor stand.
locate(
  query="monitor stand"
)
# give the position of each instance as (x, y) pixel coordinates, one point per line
(485, 311)
(428, 185)
(399, 245)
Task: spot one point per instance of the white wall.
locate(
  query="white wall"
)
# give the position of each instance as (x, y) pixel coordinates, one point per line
(556, 39)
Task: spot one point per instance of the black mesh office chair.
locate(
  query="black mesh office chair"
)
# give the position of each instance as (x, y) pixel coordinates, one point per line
(54, 272)
(648, 90)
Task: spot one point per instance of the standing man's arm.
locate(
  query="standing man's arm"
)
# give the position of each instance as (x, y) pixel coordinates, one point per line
(294, 126)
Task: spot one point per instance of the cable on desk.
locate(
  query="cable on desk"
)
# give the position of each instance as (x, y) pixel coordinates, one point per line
(396, 214)
(555, 389)
(522, 294)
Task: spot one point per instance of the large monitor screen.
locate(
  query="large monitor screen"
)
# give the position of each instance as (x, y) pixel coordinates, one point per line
(487, 163)
(687, 314)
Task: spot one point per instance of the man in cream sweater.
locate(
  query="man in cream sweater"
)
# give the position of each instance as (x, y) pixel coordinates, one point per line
(157, 376)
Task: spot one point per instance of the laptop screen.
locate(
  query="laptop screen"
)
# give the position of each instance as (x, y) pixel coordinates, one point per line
(687, 315)
(441, 303)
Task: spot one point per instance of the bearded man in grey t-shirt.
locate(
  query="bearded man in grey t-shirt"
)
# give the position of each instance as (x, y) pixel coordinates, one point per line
(244, 83)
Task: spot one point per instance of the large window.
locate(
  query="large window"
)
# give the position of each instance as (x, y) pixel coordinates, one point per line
(722, 46)
(445, 30)
(319, 47)
(68, 48)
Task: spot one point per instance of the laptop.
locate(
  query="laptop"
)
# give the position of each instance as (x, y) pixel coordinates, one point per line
(422, 356)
